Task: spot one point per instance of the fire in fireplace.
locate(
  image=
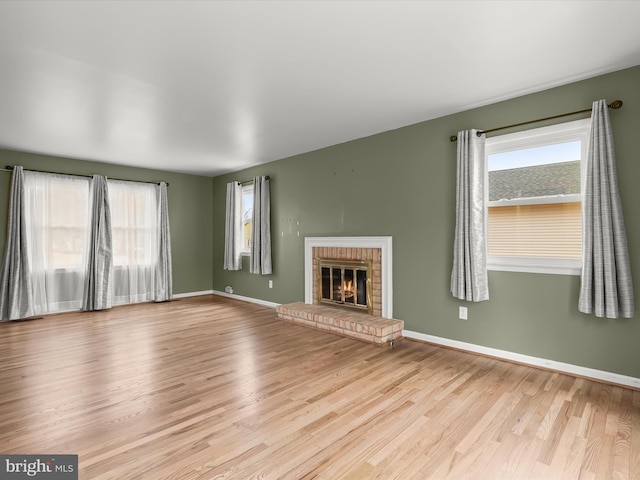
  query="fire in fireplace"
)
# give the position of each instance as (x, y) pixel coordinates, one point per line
(345, 283)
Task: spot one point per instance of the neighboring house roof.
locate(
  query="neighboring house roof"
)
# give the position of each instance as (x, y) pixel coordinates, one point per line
(536, 181)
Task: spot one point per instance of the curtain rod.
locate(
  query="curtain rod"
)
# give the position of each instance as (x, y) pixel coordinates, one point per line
(251, 181)
(615, 105)
(9, 168)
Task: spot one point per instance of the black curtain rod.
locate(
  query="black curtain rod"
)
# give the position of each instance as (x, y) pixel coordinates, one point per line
(615, 105)
(10, 168)
(251, 181)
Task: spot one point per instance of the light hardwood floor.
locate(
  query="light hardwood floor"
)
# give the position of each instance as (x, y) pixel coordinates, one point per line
(214, 388)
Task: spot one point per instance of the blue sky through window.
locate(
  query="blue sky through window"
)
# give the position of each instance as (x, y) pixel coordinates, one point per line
(247, 204)
(556, 153)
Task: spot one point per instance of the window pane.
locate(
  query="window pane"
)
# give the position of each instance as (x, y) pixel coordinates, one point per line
(551, 230)
(247, 216)
(526, 157)
(133, 223)
(68, 223)
(535, 172)
(57, 216)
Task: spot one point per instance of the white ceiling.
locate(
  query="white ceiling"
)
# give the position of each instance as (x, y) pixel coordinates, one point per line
(210, 87)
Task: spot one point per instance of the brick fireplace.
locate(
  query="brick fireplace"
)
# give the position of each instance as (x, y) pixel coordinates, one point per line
(377, 250)
(375, 326)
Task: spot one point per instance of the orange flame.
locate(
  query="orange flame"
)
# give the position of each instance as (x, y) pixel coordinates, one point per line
(348, 288)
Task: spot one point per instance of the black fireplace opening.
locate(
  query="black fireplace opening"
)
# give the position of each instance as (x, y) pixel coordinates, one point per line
(345, 283)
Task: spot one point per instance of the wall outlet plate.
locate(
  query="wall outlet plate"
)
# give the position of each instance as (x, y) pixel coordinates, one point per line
(463, 313)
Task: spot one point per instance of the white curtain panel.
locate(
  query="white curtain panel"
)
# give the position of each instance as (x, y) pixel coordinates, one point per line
(163, 280)
(607, 288)
(469, 273)
(134, 222)
(261, 227)
(98, 281)
(16, 298)
(233, 227)
(55, 242)
(56, 215)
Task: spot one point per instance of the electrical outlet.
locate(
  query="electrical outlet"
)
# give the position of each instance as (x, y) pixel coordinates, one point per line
(270, 283)
(228, 289)
(462, 313)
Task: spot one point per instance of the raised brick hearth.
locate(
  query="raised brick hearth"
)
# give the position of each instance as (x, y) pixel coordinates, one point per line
(365, 327)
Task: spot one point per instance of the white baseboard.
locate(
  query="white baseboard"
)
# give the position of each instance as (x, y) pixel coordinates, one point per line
(576, 370)
(193, 294)
(246, 299)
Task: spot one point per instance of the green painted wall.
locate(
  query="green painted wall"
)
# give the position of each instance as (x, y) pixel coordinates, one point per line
(190, 210)
(401, 183)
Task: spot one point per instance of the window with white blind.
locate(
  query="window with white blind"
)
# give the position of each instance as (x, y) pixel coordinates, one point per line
(534, 207)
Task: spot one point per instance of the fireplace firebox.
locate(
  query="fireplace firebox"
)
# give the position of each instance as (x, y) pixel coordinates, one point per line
(345, 283)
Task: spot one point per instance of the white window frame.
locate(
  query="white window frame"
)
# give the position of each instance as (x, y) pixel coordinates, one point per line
(248, 188)
(560, 133)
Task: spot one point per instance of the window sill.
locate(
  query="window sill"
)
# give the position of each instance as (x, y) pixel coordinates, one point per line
(555, 266)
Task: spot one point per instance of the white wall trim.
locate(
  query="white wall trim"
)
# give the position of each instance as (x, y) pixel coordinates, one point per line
(559, 266)
(385, 244)
(568, 368)
(192, 294)
(246, 299)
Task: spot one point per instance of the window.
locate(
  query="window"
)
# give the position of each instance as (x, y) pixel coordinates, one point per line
(133, 223)
(134, 226)
(247, 218)
(56, 214)
(57, 224)
(534, 205)
(56, 210)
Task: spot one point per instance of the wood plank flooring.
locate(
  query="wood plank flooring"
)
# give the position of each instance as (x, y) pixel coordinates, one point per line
(214, 388)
